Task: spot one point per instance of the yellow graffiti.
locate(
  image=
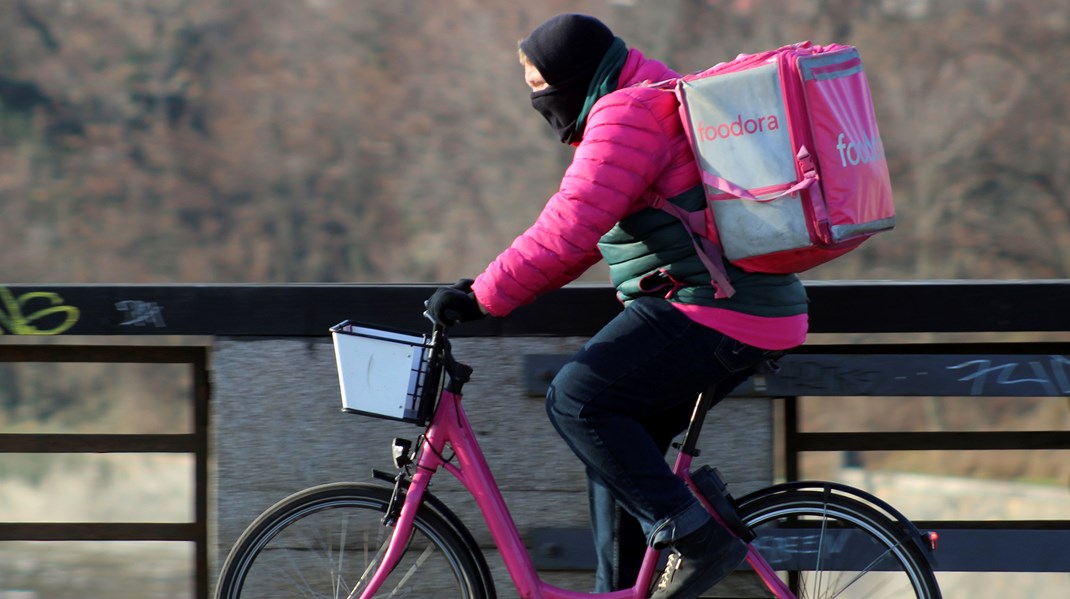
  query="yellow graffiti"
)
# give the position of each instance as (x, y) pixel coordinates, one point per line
(15, 320)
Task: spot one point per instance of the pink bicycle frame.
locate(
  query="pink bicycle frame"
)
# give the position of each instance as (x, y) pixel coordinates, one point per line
(450, 425)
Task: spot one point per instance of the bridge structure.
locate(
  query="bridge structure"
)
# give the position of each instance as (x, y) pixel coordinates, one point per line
(264, 418)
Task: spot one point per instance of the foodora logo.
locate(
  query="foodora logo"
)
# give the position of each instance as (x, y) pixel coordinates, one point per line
(739, 127)
(858, 152)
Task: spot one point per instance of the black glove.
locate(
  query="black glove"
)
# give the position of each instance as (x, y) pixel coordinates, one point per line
(454, 304)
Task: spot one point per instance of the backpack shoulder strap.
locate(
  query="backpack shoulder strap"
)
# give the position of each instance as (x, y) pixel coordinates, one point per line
(708, 252)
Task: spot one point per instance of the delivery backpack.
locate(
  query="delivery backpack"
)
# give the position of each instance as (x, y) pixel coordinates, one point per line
(790, 158)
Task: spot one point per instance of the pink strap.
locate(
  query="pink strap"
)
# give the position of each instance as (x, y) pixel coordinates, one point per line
(708, 252)
(809, 177)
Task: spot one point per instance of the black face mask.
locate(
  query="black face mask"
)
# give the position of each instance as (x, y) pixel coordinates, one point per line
(561, 107)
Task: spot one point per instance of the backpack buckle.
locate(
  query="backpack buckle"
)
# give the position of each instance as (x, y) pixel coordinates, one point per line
(655, 200)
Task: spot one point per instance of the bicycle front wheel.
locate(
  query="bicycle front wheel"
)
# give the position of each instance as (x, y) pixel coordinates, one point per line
(327, 541)
(825, 545)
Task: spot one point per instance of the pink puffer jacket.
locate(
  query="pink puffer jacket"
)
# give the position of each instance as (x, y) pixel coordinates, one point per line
(633, 142)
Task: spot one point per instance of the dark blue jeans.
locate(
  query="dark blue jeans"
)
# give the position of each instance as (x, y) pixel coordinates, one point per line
(618, 403)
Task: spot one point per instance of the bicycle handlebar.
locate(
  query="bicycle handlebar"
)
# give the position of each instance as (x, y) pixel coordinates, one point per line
(458, 373)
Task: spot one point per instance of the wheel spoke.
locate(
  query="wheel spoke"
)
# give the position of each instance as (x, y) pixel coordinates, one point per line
(862, 572)
(373, 564)
(329, 541)
(821, 542)
(419, 562)
(829, 546)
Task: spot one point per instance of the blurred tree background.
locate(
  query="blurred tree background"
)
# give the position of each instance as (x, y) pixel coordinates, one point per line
(392, 140)
(290, 141)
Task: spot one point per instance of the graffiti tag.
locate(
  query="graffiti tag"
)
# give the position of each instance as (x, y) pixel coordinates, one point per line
(20, 315)
(818, 376)
(1053, 376)
(140, 314)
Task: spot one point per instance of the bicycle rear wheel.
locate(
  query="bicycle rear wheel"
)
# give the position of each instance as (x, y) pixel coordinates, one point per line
(827, 545)
(326, 542)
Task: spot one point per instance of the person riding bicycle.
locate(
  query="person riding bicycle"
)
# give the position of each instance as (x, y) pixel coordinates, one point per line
(623, 397)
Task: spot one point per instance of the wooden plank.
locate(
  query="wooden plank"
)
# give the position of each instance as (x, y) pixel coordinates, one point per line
(990, 370)
(579, 310)
(120, 354)
(962, 547)
(97, 531)
(890, 370)
(99, 443)
(1003, 550)
(937, 441)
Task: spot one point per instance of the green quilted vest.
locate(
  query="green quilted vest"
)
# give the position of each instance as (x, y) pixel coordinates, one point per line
(649, 253)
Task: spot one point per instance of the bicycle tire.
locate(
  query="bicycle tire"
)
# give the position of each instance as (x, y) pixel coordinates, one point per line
(325, 541)
(825, 545)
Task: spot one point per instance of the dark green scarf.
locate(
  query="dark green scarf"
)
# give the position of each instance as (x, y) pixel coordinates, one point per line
(606, 79)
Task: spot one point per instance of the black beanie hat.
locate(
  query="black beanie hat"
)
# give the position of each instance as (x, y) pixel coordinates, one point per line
(568, 48)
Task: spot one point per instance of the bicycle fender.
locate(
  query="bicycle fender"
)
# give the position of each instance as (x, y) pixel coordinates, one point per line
(908, 527)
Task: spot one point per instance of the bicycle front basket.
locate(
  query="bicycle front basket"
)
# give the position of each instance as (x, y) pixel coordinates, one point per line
(386, 374)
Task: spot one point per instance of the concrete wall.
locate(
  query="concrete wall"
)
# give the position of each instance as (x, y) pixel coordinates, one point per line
(277, 429)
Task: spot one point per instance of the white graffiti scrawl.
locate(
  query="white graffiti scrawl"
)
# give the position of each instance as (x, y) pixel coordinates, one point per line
(137, 313)
(1053, 376)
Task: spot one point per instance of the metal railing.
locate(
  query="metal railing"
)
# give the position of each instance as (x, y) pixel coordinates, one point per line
(289, 311)
(194, 443)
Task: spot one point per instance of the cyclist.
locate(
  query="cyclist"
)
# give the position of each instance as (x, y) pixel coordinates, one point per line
(623, 397)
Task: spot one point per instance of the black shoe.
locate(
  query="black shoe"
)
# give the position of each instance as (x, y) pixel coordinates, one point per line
(699, 561)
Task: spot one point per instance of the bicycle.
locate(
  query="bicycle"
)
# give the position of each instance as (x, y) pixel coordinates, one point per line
(364, 540)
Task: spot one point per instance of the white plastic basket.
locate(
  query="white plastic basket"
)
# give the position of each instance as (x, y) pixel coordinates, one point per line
(386, 374)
